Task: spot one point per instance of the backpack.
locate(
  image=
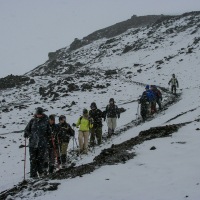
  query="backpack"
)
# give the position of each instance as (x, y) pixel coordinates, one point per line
(158, 93)
(150, 95)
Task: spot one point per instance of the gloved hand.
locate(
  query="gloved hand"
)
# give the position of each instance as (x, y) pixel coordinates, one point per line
(74, 124)
(91, 120)
(118, 116)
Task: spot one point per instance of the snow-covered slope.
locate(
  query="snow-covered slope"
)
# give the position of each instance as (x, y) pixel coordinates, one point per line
(118, 68)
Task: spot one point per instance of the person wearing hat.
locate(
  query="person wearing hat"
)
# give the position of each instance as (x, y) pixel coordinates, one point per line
(64, 134)
(112, 113)
(174, 83)
(84, 124)
(96, 131)
(38, 132)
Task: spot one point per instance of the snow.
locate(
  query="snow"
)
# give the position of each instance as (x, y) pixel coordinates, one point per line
(171, 171)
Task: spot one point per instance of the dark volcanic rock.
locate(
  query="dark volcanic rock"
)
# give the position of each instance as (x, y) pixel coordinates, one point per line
(114, 30)
(11, 81)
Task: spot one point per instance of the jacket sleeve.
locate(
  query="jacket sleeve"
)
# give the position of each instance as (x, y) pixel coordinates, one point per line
(27, 130)
(78, 122)
(104, 113)
(49, 132)
(177, 83)
(118, 112)
(71, 131)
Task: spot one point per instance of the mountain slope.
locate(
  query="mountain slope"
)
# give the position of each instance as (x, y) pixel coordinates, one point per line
(118, 67)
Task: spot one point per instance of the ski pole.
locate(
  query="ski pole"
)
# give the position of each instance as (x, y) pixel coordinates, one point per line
(25, 161)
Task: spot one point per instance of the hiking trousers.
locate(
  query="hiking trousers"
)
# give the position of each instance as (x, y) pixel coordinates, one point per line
(112, 124)
(36, 160)
(96, 133)
(173, 89)
(64, 146)
(83, 141)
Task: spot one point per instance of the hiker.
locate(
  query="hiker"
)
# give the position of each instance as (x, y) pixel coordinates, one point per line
(147, 102)
(85, 124)
(53, 144)
(174, 83)
(64, 134)
(158, 95)
(96, 131)
(38, 132)
(112, 113)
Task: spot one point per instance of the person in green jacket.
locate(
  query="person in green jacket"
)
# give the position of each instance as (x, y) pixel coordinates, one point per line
(84, 124)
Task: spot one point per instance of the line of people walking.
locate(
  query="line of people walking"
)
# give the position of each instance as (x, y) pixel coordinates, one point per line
(48, 141)
(152, 96)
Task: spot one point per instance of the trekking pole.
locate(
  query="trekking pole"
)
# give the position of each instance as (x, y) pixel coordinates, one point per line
(76, 142)
(138, 111)
(25, 160)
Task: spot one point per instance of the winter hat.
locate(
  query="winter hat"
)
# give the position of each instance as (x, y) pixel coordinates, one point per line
(85, 111)
(147, 87)
(112, 100)
(93, 105)
(62, 117)
(39, 111)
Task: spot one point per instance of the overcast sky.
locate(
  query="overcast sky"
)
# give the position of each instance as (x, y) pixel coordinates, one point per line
(31, 28)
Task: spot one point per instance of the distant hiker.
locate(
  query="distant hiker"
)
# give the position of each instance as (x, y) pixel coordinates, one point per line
(53, 144)
(85, 124)
(112, 113)
(147, 102)
(64, 134)
(158, 95)
(38, 132)
(96, 131)
(174, 83)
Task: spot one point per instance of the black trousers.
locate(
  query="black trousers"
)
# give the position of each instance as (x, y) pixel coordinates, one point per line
(36, 160)
(173, 89)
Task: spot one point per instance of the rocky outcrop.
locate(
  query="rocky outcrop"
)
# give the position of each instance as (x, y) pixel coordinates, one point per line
(11, 81)
(115, 29)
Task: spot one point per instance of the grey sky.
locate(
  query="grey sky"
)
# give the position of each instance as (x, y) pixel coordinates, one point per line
(32, 28)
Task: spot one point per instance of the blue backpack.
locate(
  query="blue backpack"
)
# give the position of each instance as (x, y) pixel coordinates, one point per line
(150, 95)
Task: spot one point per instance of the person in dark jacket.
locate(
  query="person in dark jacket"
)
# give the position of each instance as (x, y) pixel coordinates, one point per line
(53, 144)
(95, 115)
(38, 132)
(158, 95)
(64, 134)
(112, 113)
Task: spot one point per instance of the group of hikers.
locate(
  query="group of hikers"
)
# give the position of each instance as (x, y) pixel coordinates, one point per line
(48, 141)
(152, 96)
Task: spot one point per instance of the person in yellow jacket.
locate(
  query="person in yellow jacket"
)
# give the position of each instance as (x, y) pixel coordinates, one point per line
(84, 124)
